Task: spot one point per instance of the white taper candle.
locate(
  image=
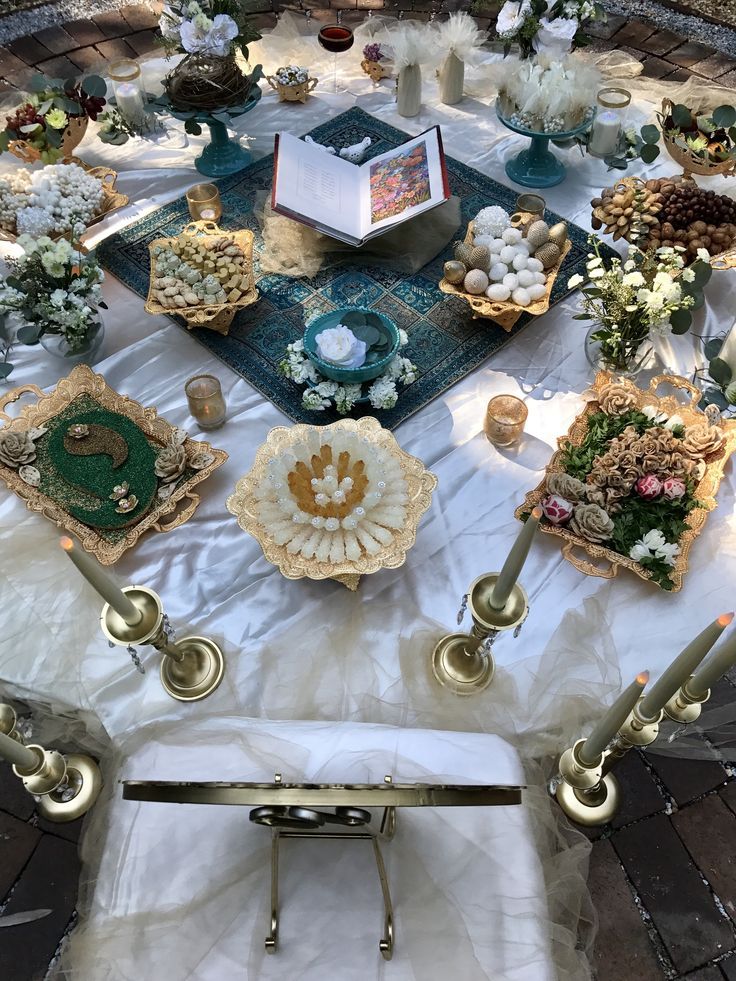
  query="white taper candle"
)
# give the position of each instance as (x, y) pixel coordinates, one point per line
(17, 754)
(96, 577)
(609, 725)
(715, 667)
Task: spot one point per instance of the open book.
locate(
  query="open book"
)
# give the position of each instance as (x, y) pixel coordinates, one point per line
(351, 203)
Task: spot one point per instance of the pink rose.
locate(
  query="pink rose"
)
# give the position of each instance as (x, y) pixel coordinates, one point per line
(673, 488)
(648, 487)
(556, 509)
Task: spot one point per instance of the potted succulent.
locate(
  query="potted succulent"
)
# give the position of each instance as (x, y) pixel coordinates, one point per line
(52, 121)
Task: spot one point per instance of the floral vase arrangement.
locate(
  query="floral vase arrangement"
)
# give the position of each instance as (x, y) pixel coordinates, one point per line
(374, 62)
(459, 40)
(631, 482)
(55, 289)
(339, 346)
(210, 33)
(650, 293)
(53, 119)
(552, 27)
(412, 47)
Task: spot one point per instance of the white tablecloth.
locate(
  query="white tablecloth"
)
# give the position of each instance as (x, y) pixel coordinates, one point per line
(312, 650)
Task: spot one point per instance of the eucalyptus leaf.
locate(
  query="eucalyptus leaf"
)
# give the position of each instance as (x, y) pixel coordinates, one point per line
(650, 134)
(681, 321)
(681, 116)
(649, 152)
(714, 396)
(38, 84)
(712, 348)
(720, 371)
(5, 369)
(703, 271)
(54, 136)
(724, 116)
(698, 301)
(374, 320)
(368, 334)
(353, 319)
(192, 127)
(30, 127)
(371, 357)
(29, 334)
(94, 85)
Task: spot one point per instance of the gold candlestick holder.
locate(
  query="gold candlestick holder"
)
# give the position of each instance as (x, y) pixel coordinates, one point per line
(684, 707)
(589, 793)
(464, 662)
(66, 787)
(191, 668)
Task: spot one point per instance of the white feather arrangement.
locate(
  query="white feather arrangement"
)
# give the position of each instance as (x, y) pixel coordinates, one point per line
(459, 35)
(541, 89)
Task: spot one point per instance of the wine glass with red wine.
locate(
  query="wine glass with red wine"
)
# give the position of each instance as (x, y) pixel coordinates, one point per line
(335, 38)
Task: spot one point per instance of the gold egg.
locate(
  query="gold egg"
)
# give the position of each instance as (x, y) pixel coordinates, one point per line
(558, 234)
(455, 271)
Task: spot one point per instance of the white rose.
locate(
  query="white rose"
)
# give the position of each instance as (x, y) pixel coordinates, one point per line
(653, 539)
(511, 17)
(555, 37)
(340, 346)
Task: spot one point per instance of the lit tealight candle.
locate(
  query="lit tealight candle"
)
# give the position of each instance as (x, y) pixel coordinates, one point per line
(612, 721)
(16, 753)
(682, 667)
(715, 667)
(515, 561)
(96, 577)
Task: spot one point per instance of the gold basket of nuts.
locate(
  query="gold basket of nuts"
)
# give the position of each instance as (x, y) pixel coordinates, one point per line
(204, 275)
(669, 211)
(506, 312)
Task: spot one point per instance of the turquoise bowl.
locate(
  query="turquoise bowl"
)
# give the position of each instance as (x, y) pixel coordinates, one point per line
(366, 372)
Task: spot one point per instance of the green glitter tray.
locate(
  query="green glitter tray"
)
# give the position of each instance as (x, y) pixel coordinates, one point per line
(81, 396)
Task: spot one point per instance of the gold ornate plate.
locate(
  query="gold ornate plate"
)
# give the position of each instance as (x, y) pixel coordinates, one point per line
(504, 312)
(163, 515)
(216, 316)
(704, 492)
(419, 486)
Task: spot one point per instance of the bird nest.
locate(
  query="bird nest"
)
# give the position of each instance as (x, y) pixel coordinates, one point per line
(207, 83)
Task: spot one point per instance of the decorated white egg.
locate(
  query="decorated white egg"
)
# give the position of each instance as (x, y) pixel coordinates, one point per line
(476, 282)
(539, 277)
(521, 296)
(526, 278)
(509, 253)
(512, 236)
(511, 280)
(498, 271)
(497, 291)
(536, 291)
(520, 262)
(534, 264)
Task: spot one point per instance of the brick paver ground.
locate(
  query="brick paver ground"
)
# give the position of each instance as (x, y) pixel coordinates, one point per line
(663, 876)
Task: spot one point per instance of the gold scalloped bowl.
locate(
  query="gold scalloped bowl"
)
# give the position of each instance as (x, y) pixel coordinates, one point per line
(333, 502)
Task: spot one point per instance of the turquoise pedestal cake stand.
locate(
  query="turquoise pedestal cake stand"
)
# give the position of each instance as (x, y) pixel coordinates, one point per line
(537, 166)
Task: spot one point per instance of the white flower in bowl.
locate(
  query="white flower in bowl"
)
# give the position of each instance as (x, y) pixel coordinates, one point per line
(555, 37)
(339, 345)
(511, 17)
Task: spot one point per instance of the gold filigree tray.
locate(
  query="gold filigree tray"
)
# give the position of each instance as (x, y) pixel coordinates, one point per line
(504, 312)
(112, 198)
(163, 515)
(406, 475)
(216, 316)
(705, 490)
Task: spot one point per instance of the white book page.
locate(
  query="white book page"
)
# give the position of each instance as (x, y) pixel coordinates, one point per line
(317, 185)
(402, 183)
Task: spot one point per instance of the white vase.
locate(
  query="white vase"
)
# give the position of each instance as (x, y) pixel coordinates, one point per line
(409, 91)
(452, 79)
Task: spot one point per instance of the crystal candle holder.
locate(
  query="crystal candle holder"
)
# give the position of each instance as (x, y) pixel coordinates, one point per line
(505, 418)
(130, 95)
(204, 202)
(206, 401)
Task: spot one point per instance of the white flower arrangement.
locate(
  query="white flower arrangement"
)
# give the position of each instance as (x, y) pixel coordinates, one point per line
(545, 26)
(547, 93)
(339, 345)
(304, 504)
(654, 545)
(55, 199)
(323, 393)
(197, 29)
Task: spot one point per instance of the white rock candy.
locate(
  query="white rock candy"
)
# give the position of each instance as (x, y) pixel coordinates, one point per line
(534, 264)
(521, 296)
(496, 245)
(520, 262)
(511, 280)
(509, 253)
(526, 278)
(498, 271)
(536, 291)
(498, 291)
(540, 277)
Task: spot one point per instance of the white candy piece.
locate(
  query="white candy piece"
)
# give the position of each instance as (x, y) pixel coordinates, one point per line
(509, 253)
(526, 278)
(496, 245)
(498, 292)
(539, 277)
(512, 236)
(495, 259)
(486, 240)
(511, 280)
(534, 264)
(536, 291)
(520, 262)
(521, 296)
(498, 271)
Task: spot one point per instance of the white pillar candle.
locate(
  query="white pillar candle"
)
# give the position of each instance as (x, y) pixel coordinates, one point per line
(130, 101)
(604, 136)
(514, 562)
(728, 351)
(682, 667)
(17, 754)
(609, 725)
(93, 573)
(715, 667)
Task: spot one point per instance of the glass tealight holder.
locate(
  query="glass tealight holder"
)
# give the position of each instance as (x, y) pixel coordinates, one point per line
(206, 401)
(529, 208)
(505, 418)
(204, 202)
(608, 122)
(130, 95)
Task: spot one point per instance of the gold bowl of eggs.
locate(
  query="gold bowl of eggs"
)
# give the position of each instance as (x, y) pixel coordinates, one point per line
(506, 265)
